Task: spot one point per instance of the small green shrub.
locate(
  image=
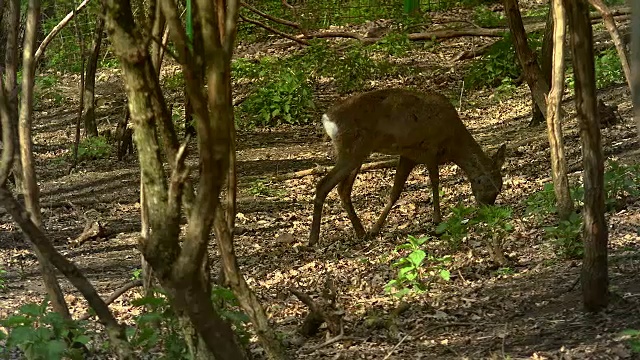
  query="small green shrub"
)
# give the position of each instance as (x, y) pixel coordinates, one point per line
(174, 82)
(608, 68)
(621, 182)
(566, 237)
(491, 224)
(456, 227)
(93, 148)
(485, 17)
(395, 44)
(157, 326)
(41, 334)
(499, 66)
(632, 337)
(262, 187)
(286, 99)
(416, 269)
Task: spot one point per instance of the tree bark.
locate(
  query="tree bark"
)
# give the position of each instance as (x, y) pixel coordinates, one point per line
(595, 237)
(532, 73)
(12, 22)
(90, 126)
(635, 62)
(554, 115)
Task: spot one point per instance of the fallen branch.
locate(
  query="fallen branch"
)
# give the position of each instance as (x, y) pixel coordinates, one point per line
(273, 30)
(470, 54)
(116, 294)
(618, 14)
(272, 18)
(321, 170)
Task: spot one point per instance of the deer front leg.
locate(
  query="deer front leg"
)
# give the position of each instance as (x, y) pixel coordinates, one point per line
(405, 165)
(339, 172)
(434, 176)
(344, 190)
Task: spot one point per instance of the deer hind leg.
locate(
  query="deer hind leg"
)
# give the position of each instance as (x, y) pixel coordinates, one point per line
(434, 176)
(344, 190)
(405, 165)
(343, 168)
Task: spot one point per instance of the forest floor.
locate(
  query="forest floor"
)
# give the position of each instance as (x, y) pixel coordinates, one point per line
(532, 309)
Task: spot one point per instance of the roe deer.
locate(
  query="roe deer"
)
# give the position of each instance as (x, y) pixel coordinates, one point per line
(421, 128)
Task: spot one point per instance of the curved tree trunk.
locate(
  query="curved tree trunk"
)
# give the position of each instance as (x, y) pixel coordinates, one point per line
(532, 73)
(595, 280)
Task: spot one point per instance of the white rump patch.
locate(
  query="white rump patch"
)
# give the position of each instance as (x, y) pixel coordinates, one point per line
(330, 127)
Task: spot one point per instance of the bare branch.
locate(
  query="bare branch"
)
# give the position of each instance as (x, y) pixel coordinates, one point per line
(273, 30)
(116, 294)
(272, 18)
(57, 29)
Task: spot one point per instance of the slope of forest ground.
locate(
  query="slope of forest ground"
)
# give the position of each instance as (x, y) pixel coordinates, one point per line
(532, 309)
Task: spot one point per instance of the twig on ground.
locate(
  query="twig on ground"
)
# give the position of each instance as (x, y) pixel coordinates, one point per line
(116, 294)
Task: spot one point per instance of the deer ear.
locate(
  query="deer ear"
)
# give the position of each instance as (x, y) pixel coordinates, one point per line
(498, 157)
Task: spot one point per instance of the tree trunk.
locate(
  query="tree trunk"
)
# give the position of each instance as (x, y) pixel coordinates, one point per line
(594, 268)
(532, 73)
(90, 126)
(545, 64)
(12, 21)
(554, 115)
(31, 191)
(635, 62)
(178, 268)
(610, 24)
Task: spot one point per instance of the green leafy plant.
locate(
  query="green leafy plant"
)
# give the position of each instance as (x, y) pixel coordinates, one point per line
(505, 271)
(499, 66)
(174, 82)
(41, 334)
(633, 339)
(485, 17)
(608, 68)
(621, 182)
(541, 203)
(566, 237)
(415, 269)
(261, 187)
(457, 226)
(395, 44)
(286, 99)
(93, 148)
(136, 274)
(157, 326)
